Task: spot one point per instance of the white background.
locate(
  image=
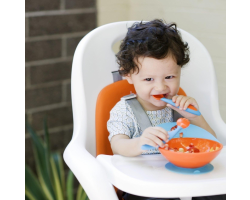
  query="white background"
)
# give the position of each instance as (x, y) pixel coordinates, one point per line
(13, 106)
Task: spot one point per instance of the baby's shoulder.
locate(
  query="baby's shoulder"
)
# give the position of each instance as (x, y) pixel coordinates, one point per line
(121, 105)
(122, 108)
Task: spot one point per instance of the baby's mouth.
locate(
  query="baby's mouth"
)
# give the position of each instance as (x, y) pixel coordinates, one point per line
(165, 95)
(160, 95)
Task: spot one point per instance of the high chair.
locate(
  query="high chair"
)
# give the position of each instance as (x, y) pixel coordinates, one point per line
(93, 62)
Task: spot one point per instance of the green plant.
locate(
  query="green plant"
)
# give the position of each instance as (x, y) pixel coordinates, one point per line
(50, 182)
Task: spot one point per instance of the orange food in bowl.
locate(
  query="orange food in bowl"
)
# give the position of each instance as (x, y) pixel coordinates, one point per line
(191, 160)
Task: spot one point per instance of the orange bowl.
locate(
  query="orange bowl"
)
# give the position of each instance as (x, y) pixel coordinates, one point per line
(191, 160)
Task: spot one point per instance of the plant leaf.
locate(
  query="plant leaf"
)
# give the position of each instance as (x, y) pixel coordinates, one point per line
(70, 180)
(56, 173)
(47, 147)
(84, 195)
(27, 198)
(43, 175)
(59, 166)
(40, 159)
(81, 194)
(36, 140)
(29, 195)
(33, 189)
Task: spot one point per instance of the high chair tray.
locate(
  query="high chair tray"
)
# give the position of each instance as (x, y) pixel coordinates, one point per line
(146, 175)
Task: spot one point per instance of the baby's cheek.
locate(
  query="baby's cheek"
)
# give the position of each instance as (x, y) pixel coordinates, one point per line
(145, 91)
(143, 94)
(176, 88)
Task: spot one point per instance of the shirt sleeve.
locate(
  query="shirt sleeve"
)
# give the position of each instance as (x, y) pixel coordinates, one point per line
(121, 121)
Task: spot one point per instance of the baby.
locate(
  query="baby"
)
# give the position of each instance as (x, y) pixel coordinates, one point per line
(151, 57)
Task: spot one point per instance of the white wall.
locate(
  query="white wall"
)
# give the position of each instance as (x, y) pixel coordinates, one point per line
(205, 19)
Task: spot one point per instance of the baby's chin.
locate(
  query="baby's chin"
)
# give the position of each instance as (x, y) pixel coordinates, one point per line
(159, 104)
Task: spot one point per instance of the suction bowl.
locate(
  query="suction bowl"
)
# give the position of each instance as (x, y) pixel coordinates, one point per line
(191, 160)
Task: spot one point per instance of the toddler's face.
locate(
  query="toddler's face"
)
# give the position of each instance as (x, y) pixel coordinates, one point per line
(155, 77)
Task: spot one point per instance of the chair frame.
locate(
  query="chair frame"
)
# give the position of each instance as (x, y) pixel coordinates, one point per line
(93, 63)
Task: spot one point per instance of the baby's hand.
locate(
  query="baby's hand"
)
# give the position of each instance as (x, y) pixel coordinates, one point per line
(184, 102)
(153, 136)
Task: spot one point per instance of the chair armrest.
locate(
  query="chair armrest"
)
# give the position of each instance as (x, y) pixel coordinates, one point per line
(88, 172)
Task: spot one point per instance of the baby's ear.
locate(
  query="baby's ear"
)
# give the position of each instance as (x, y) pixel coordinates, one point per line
(129, 79)
(128, 76)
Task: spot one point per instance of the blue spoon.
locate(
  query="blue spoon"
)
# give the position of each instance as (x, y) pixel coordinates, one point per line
(191, 109)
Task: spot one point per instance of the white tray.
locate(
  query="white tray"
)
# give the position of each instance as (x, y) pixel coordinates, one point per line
(146, 175)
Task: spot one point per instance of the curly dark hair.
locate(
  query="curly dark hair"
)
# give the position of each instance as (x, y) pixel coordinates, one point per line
(154, 39)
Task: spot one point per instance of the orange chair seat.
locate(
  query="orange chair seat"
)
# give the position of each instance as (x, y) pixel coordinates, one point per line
(106, 100)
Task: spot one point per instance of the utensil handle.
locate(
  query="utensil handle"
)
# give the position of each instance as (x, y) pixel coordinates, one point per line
(148, 147)
(191, 109)
(174, 132)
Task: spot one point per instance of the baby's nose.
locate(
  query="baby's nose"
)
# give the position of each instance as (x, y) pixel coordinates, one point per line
(160, 87)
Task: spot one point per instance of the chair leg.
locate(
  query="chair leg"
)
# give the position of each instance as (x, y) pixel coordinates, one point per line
(185, 198)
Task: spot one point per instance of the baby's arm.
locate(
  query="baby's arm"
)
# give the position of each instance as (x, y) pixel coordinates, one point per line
(184, 102)
(123, 145)
(201, 122)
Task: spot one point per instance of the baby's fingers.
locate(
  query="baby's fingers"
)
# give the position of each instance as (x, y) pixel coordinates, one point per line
(174, 98)
(183, 101)
(156, 141)
(163, 134)
(177, 100)
(189, 102)
(150, 142)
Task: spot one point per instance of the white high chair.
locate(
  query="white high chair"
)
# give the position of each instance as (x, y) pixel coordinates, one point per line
(93, 63)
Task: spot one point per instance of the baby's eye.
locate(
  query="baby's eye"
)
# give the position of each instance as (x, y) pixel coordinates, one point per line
(169, 77)
(148, 79)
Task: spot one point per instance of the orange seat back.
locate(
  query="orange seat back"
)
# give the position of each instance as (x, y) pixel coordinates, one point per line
(106, 100)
